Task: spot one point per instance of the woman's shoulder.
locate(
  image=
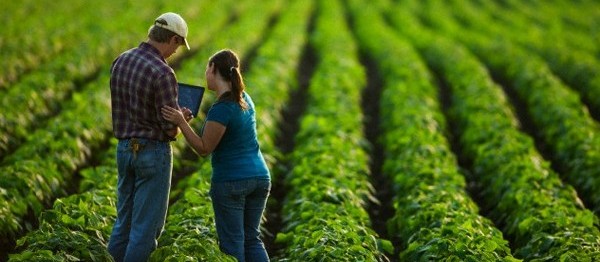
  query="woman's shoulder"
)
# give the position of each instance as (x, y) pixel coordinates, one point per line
(223, 104)
(248, 99)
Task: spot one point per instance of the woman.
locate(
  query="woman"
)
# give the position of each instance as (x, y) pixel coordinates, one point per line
(240, 182)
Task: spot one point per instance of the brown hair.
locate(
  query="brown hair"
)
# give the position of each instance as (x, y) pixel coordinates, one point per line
(228, 65)
(160, 34)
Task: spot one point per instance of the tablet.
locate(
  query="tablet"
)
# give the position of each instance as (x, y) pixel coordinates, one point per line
(190, 96)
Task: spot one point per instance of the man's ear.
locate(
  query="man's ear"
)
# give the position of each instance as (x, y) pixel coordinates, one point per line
(175, 40)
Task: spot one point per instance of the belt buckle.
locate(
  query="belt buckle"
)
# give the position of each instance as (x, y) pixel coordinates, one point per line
(135, 146)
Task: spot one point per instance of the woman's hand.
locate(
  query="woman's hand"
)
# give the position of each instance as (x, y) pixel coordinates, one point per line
(173, 115)
(187, 114)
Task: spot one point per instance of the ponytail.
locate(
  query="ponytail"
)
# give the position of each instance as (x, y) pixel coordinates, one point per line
(237, 86)
(227, 64)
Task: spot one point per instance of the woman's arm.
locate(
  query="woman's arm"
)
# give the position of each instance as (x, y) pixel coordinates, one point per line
(203, 145)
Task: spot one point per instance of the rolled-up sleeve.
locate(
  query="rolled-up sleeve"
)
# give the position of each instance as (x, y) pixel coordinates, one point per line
(166, 95)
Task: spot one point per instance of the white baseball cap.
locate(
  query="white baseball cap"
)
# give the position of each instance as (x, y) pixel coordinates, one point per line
(174, 23)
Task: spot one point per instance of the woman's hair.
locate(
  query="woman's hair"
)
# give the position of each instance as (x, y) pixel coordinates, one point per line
(228, 65)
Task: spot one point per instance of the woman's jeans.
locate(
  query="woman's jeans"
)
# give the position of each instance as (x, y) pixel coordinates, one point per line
(238, 207)
(143, 190)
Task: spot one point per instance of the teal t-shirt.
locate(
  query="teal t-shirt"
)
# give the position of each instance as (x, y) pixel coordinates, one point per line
(238, 155)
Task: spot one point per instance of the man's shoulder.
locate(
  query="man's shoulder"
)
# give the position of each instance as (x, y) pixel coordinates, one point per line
(143, 58)
(154, 60)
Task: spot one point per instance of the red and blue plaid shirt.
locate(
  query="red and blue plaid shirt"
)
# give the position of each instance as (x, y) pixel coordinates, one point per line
(141, 83)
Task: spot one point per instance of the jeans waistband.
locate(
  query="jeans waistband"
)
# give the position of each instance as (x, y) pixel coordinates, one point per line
(142, 143)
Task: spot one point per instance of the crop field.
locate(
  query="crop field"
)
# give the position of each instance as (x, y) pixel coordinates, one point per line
(407, 130)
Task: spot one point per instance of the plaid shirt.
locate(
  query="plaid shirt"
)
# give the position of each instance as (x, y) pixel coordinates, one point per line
(141, 83)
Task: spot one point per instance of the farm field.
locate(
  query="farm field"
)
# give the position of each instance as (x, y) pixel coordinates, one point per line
(408, 130)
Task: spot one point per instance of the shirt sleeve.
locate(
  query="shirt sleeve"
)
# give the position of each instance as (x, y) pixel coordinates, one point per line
(166, 95)
(220, 113)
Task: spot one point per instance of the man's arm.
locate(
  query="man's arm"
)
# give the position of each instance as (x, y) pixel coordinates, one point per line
(166, 95)
(173, 132)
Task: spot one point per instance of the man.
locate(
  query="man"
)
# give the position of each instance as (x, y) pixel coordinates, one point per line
(141, 84)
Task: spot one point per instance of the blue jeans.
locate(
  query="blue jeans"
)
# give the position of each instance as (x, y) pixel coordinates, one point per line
(143, 197)
(238, 207)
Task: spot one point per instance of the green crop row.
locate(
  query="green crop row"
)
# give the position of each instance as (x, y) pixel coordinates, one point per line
(35, 36)
(541, 215)
(323, 212)
(435, 217)
(561, 22)
(560, 119)
(272, 81)
(42, 93)
(36, 173)
(78, 226)
(579, 69)
(273, 74)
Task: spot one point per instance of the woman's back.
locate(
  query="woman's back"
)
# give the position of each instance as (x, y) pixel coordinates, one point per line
(237, 156)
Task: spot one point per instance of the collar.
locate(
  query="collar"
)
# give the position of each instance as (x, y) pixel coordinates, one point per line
(148, 47)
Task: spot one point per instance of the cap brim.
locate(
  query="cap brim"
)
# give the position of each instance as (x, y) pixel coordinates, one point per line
(186, 44)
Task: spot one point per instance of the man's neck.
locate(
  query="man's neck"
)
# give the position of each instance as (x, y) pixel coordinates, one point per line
(161, 47)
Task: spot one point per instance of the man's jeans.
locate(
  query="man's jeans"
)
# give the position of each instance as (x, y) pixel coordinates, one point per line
(238, 207)
(143, 190)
